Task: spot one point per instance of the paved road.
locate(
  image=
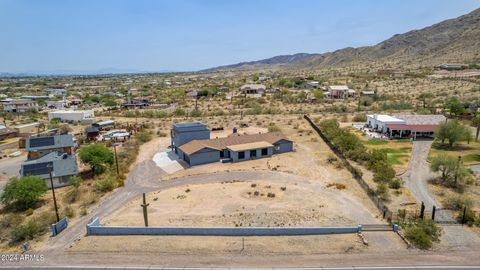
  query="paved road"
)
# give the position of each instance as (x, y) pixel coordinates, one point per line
(416, 177)
(10, 167)
(259, 268)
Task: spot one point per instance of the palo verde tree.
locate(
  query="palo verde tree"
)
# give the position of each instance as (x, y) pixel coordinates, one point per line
(23, 193)
(423, 97)
(453, 131)
(451, 169)
(454, 106)
(97, 156)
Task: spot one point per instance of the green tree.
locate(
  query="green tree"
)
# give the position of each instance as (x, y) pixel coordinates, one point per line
(452, 132)
(318, 94)
(24, 192)
(424, 97)
(444, 164)
(454, 106)
(96, 156)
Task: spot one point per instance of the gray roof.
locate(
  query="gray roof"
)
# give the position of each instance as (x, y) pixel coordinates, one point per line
(189, 126)
(63, 165)
(419, 119)
(104, 123)
(59, 141)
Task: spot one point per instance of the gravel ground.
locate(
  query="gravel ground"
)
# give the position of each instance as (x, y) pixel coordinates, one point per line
(416, 177)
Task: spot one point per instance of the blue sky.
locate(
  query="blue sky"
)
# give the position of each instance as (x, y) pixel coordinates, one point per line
(182, 35)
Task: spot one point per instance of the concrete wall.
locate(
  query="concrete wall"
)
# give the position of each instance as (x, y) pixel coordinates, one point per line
(94, 228)
(234, 154)
(59, 226)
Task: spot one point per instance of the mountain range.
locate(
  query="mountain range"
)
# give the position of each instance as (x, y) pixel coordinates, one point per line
(453, 40)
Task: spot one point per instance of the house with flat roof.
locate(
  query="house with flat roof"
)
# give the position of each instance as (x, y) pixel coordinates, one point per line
(73, 116)
(405, 125)
(340, 92)
(19, 106)
(255, 90)
(50, 154)
(182, 133)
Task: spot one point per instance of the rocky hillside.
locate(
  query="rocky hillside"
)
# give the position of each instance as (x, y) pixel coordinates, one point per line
(454, 40)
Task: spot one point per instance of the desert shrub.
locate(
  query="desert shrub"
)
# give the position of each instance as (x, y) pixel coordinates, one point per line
(69, 212)
(423, 233)
(179, 111)
(361, 117)
(382, 191)
(196, 113)
(24, 232)
(457, 202)
(143, 137)
(273, 128)
(395, 183)
(105, 184)
(10, 220)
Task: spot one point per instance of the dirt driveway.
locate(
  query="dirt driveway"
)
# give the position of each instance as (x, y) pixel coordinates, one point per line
(416, 177)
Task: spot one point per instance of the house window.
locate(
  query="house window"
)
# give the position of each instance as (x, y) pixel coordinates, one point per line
(222, 154)
(264, 151)
(253, 153)
(241, 155)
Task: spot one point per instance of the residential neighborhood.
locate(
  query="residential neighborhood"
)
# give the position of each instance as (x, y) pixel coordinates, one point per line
(240, 135)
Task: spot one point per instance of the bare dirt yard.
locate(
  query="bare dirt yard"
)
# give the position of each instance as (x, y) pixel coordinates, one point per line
(293, 189)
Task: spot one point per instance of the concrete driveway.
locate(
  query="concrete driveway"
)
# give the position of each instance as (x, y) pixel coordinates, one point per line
(10, 167)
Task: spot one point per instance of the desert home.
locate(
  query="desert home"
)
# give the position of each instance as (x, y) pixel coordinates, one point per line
(73, 116)
(253, 89)
(339, 92)
(406, 125)
(192, 143)
(51, 154)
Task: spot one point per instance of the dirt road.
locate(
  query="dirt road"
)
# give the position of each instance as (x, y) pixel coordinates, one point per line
(416, 177)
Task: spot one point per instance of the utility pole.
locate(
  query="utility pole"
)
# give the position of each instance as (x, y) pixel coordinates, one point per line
(116, 158)
(50, 167)
(145, 213)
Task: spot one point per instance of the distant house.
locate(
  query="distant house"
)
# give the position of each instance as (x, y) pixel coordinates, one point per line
(137, 102)
(19, 106)
(394, 73)
(368, 93)
(313, 85)
(104, 124)
(25, 129)
(193, 145)
(405, 125)
(58, 104)
(58, 92)
(50, 154)
(74, 100)
(452, 66)
(255, 90)
(72, 116)
(339, 92)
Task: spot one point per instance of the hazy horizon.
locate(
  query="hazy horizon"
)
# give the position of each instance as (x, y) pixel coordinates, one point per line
(158, 36)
